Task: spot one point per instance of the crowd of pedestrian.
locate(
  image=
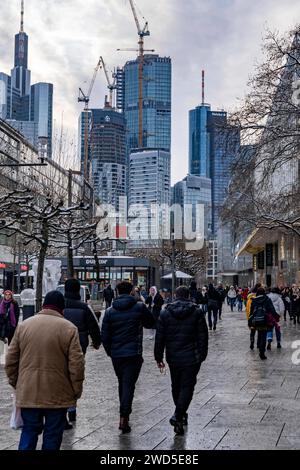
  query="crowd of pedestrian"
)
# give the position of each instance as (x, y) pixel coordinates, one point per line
(46, 355)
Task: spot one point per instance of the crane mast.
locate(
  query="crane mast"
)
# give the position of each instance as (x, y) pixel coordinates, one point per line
(141, 33)
(85, 98)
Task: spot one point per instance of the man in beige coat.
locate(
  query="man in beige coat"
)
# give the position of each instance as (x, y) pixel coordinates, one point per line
(45, 365)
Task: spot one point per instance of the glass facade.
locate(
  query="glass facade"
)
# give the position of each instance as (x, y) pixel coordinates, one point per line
(213, 146)
(107, 152)
(195, 190)
(28, 108)
(156, 101)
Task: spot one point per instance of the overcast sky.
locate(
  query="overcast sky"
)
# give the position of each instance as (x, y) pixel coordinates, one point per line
(66, 38)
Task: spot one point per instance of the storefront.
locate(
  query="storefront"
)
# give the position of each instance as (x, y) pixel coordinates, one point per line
(113, 269)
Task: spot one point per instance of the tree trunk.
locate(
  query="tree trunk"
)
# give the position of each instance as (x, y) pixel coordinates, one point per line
(97, 264)
(70, 262)
(41, 264)
(39, 277)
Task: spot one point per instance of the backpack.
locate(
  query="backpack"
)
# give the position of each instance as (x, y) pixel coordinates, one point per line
(259, 316)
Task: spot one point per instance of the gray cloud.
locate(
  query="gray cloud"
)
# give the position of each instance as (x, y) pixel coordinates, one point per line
(66, 38)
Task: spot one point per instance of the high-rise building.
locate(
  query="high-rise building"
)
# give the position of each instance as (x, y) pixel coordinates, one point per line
(156, 101)
(41, 112)
(107, 153)
(213, 146)
(149, 184)
(27, 108)
(193, 190)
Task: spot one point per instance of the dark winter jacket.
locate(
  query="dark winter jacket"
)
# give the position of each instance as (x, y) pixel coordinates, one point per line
(84, 319)
(155, 305)
(7, 329)
(122, 327)
(108, 294)
(182, 331)
(266, 302)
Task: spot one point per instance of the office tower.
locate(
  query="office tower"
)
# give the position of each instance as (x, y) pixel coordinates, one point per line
(41, 112)
(193, 190)
(149, 184)
(27, 108)
(156, 101)
(107, 153)
(213, 146)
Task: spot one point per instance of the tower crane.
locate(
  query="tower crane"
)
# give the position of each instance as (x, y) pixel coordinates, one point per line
(110, 85)
(142, 32)
(85, 98)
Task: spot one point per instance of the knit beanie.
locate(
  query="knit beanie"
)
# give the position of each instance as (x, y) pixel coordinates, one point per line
(54, 300)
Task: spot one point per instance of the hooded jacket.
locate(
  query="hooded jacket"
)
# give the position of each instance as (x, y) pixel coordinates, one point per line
(182, 331)
(122, 327)
(265, 301)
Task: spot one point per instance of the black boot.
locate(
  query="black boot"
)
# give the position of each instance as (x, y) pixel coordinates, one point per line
(269, 345)
(124, 426)
(262, 356)
(72, 416)
(252, 345)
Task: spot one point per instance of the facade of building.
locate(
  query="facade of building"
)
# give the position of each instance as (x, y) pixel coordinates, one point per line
(193, 190)
(149, 185)
(107, 153)
(27, 107)
(156, 101)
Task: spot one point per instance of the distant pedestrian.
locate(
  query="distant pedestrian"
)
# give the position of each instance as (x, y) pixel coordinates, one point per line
(122, 339)
(154, 302)
(262, 317)
(222, 297)
(182, 332)
(9, 316)
(108, 295)
(231, 296)
(278, 304)
(250, 298)
(45, 364)
(213, 301)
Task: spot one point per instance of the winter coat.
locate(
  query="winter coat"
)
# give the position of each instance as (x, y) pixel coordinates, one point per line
(277, 302)
(249, 303)
(7, 329)
(122, 327)
(271, 315)
(108, 294)
(45, 363)
(182, 331)
(231, 294)
(84, 319)
(155, 304)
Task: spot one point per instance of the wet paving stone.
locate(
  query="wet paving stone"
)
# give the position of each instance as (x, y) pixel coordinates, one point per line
(240, 402)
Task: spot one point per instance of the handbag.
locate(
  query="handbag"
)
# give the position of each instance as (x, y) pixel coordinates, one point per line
(16, 421)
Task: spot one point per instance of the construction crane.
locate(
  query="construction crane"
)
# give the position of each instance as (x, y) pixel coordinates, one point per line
(142, 32)
(85, 98)
(110, 85)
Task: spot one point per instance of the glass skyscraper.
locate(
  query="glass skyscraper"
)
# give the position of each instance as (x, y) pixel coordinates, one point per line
(107, 153)
(29, 109)
(213, 146)
(156, 101)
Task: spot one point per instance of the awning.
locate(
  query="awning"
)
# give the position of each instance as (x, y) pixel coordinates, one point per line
(178, 275)
(30, 273)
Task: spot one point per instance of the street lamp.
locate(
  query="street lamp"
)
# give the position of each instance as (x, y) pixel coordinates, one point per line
(173, 263)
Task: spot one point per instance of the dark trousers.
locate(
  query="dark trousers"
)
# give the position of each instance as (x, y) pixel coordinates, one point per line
(252, 336)
(262, 341)
(212, 310)
(220, 309)
(184, 379)
(127, 370)
(50, 422)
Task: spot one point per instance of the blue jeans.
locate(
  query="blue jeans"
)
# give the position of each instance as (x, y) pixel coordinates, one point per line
(50, 422)
(232, 302)
(240, 305)
(270, 335)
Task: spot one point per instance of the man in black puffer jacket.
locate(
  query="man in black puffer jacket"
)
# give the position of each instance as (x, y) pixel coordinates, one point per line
(122, 338)
(80, 314)
(182, 331)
